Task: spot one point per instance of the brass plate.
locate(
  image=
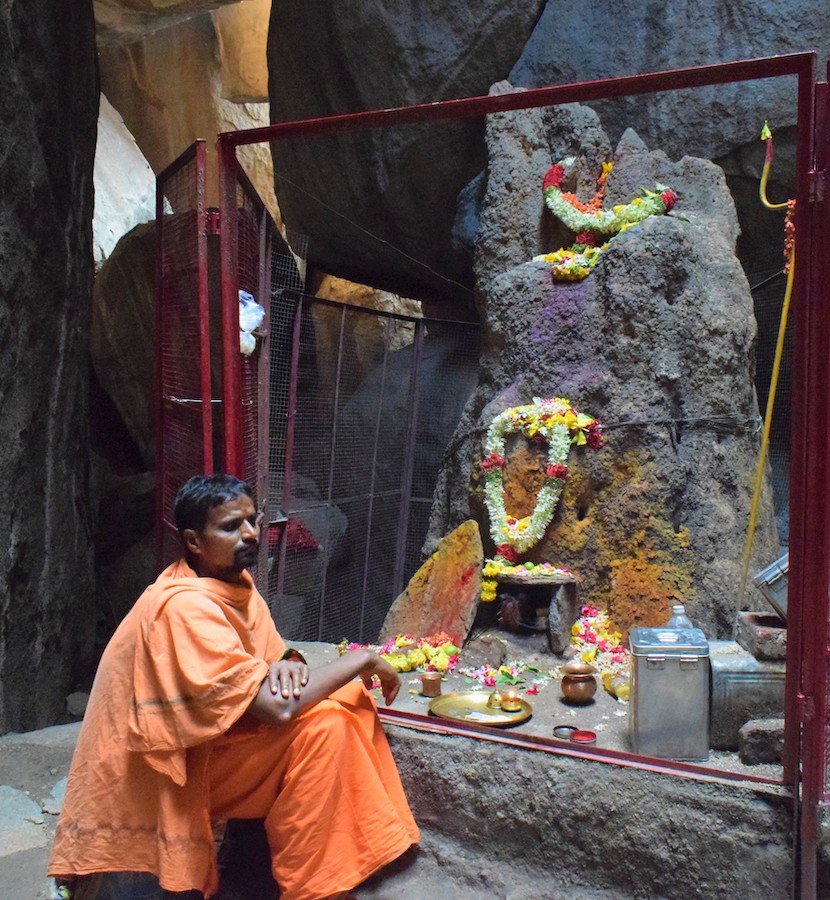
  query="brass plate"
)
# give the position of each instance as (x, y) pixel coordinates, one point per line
(471, 706)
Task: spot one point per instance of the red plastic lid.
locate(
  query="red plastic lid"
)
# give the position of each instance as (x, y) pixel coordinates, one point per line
(583, 737)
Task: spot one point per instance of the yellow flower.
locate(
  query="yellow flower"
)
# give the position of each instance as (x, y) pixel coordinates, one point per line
(404, 640)
(398, 661)
(441, 661)
(488, 591)
(416, 658)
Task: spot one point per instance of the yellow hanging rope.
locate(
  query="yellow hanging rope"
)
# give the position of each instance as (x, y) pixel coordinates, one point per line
(766, 135)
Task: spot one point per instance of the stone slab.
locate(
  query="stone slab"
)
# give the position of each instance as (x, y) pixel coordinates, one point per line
(21, 822)
(564, 611)
(53, 736)
(762, 635)
(743, 688)
(442, 596)
(761, 741)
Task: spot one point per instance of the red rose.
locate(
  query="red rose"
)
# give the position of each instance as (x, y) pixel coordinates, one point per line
(587, 238)
(669, 198)
(559, 471)
(594, 439)
(553, 177)
(506, 552)
(493, 461)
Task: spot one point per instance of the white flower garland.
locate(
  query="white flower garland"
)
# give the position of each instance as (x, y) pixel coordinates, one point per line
(523, 533)
(607, 221)
(559, 425)
(602, 221)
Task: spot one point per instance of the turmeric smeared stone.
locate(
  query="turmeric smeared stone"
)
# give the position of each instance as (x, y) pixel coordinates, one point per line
(443, 594)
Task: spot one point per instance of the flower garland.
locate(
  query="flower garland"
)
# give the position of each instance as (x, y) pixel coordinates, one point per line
(557, 423)
(554, 422)
(575, 262)
(601, 221)
(589, 219)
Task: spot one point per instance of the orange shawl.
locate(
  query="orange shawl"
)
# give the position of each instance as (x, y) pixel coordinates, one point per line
(180, 670)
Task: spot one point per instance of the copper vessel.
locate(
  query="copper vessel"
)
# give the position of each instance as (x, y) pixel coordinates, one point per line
(579, 683)
(431, 684)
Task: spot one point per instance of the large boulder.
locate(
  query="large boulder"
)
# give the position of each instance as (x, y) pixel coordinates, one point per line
(657, 342)
(371, 201)
(49, 108)
(125, 187)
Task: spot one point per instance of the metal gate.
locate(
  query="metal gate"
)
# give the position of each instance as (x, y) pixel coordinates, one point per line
(265, 416)
(184, 400)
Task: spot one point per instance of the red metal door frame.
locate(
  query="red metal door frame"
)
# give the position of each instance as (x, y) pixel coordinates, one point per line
(806, 732)
(809, 573)
(169, 470)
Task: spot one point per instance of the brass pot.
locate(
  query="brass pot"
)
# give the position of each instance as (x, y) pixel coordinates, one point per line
(579, 683)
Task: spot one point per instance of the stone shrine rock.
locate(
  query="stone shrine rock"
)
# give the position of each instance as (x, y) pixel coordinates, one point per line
(442, 596)
(658, 343)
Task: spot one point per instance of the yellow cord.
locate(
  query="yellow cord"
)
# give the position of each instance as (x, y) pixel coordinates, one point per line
(762, 455)
(766, 135)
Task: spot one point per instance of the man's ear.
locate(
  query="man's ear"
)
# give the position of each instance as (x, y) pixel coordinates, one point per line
(191, 540)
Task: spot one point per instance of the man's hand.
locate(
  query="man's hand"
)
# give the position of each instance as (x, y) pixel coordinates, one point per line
(390, 682)
(287, 678)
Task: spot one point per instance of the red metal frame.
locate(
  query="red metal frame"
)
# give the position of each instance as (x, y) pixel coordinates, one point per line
(809, 571)
(564, 748)
(806, 729)
(195, 157)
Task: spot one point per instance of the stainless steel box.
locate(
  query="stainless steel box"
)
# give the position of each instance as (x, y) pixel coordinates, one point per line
(773, 583)
(669, 706)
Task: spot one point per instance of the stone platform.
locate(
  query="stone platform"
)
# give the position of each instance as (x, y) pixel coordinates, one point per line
(505, 822)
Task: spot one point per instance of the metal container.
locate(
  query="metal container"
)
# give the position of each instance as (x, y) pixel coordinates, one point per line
(773, 582)
(669, 711)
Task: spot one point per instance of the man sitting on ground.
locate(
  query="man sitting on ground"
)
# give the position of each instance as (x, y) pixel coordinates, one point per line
(199, 713)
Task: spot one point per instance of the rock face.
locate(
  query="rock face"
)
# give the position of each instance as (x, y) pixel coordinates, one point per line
(121, 339)
(367, 58)
(656, 342)
(125, 187)
(216, 85)
(47, 148)
(554, 827)
(633, 38)
(442, 596)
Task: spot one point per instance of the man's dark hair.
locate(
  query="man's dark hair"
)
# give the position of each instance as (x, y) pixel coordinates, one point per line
(200, 494)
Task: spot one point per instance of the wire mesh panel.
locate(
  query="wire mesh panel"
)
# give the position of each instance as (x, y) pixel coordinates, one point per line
(375, 399)
(252, 230)
(184, 426)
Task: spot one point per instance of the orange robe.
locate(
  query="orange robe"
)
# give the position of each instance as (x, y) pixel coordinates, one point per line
(166, 747)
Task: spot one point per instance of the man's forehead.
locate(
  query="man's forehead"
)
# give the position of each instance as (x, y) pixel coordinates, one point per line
(237, 506)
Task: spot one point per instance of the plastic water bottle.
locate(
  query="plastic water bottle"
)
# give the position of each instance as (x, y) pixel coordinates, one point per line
(679, 619)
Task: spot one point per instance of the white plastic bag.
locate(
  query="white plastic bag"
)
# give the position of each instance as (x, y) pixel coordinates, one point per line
(251, 316)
